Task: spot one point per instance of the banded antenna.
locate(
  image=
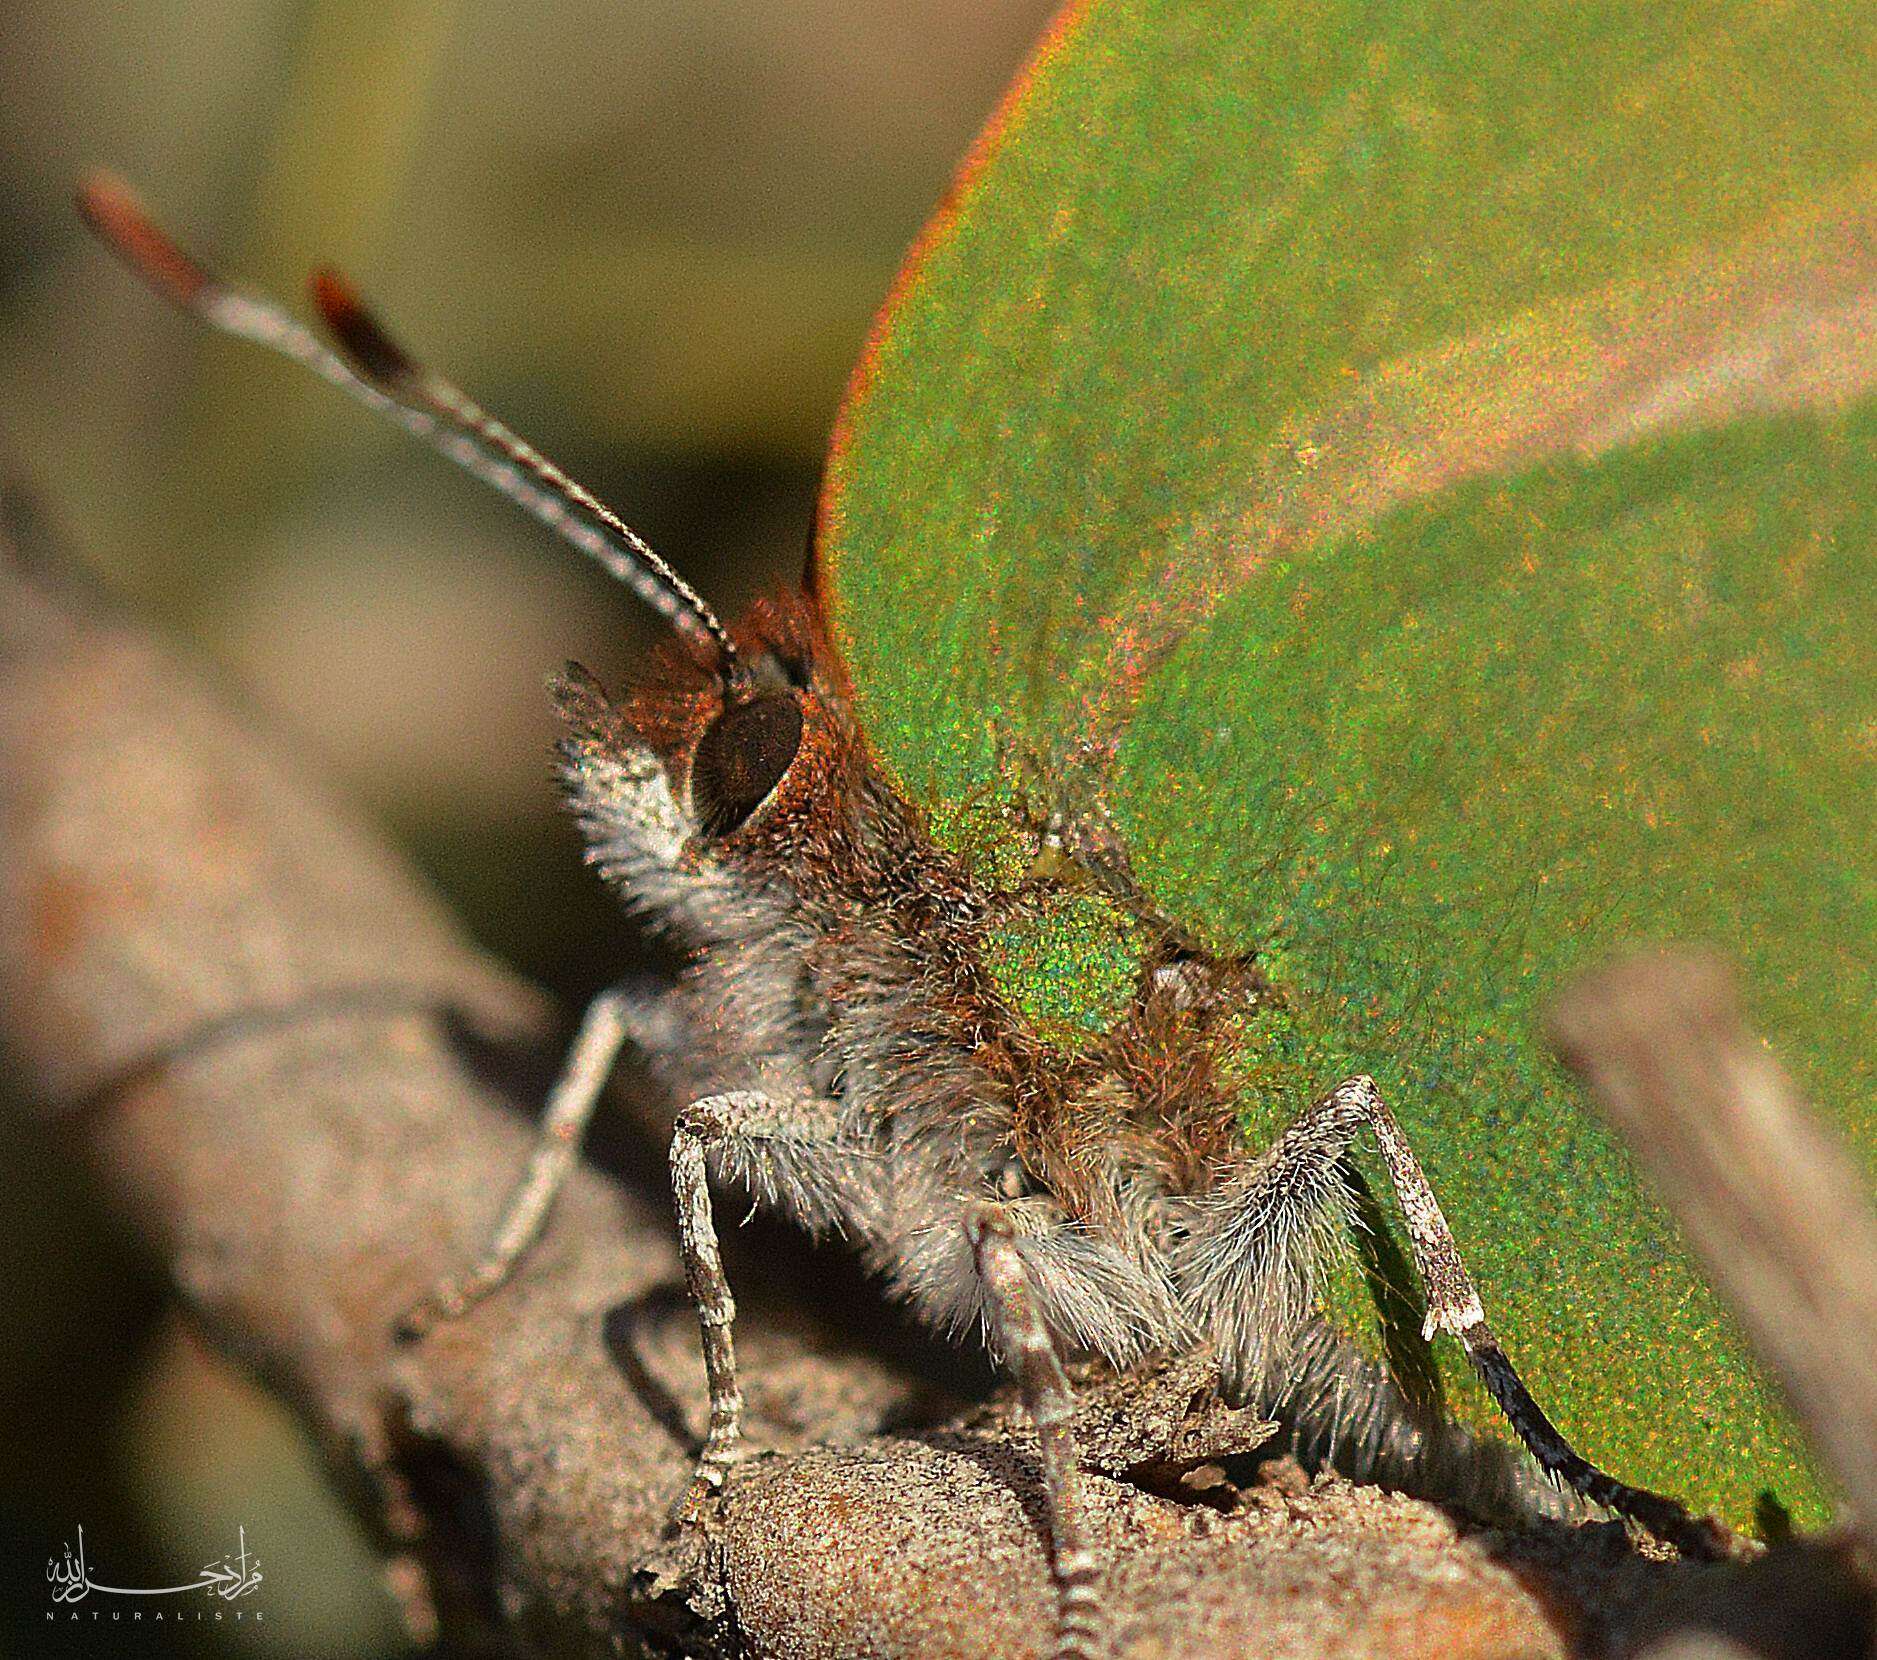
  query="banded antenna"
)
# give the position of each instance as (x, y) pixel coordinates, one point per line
(375, 370)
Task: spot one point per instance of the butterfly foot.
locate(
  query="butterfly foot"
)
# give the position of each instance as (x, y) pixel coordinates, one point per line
(700, 1506)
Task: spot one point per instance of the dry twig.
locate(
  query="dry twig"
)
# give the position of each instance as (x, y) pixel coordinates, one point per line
(1770, 1201)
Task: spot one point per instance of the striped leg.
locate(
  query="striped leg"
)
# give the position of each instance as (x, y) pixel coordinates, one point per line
(1030, 1355)
(556, 1150)
(1233, 1237)
(1453, 1305)
(790, 1153)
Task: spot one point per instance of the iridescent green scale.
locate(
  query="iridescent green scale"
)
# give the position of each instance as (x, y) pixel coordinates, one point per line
(1417, 465)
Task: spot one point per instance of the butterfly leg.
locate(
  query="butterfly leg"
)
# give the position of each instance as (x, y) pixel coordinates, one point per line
(1030, 1355)
(1271, 1205)
(788, 1153)
(607, 1024)
(1453, 1305)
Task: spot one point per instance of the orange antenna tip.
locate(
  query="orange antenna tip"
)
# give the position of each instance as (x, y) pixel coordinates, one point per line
(357, 332)
(111, 208)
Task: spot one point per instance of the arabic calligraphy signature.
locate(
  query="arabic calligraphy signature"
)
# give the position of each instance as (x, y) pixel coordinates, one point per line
(237, 1580)
(69, 1583)
(226, 1577)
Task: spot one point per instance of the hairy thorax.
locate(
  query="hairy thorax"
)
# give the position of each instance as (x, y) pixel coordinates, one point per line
(837, 955)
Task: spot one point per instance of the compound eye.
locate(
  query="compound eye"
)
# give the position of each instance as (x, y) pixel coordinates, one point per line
(742, 758)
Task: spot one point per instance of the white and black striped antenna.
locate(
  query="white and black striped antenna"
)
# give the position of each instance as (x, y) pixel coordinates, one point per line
(374, 369)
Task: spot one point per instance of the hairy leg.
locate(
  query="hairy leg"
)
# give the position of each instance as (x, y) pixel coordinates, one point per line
(1248, 1227)
(570, 1104)
(1030, 1355)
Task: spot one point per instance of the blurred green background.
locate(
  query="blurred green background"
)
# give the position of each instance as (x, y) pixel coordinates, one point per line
(650, 233)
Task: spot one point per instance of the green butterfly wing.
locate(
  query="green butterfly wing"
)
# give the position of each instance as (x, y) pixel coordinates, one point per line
(1419, 465)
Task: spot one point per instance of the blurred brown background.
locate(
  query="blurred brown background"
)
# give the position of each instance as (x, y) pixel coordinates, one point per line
(651, 233)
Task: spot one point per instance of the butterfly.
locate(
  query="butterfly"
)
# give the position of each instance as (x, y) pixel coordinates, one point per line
(854, 1053)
